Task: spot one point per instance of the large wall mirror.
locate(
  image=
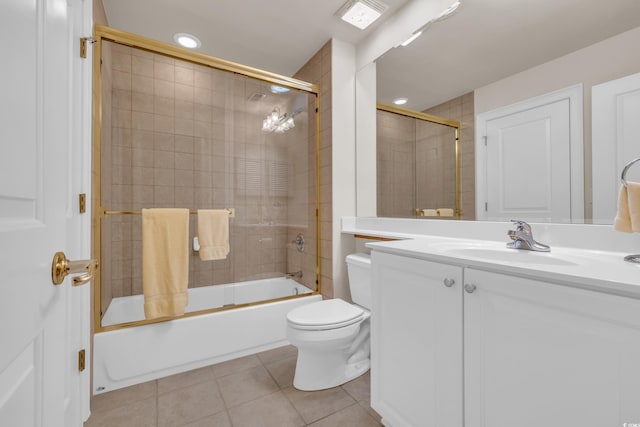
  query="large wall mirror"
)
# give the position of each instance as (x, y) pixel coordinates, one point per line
(492, 54)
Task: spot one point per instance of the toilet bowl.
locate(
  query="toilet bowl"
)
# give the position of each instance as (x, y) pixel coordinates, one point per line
(333, 336)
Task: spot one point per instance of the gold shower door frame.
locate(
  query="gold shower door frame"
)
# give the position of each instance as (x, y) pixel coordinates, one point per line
(99, 212)
(438, 120)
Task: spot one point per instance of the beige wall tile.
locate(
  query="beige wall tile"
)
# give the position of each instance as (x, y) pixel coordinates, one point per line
(163, 106)
(142, 121)
(142, 66)
(164, 71)
(173, 147)
(141, 83)
(141, 102)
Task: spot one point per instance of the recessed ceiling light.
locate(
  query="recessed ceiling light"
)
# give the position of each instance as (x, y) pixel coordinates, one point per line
(361, 13)
(279, 89)
(187, 40)
(400, 101)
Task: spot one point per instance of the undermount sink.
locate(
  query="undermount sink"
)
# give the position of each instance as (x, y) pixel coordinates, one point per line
(509, 255)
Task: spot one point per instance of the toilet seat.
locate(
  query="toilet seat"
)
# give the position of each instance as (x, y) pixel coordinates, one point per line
(327, 314)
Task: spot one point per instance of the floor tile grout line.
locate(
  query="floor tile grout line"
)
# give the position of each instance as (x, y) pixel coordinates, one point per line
(157, 387)
(286, 395)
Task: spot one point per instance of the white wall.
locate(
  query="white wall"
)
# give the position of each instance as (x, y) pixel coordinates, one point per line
(366, 203)
(398, 28)
(607, 60)
(343, 157)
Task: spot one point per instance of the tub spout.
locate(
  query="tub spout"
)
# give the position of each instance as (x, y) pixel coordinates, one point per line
(297, 274)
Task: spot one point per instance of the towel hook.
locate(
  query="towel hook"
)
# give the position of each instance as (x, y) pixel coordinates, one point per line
(623, 177)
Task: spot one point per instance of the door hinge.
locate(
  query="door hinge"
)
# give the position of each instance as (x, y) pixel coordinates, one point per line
(83, 45)
(484, 139)
(486, 206)
(82, 203)
(81, 360)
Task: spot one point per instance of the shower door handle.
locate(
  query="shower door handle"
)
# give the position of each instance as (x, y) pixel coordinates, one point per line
(61, 267)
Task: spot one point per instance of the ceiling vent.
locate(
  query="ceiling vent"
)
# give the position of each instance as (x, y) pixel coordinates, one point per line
(361, 13)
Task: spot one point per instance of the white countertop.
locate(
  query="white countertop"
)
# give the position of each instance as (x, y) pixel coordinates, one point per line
(603, 271)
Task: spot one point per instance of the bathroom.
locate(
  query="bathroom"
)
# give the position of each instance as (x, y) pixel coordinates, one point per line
(345, 192)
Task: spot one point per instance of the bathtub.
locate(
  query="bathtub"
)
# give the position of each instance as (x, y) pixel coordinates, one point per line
(132, 355)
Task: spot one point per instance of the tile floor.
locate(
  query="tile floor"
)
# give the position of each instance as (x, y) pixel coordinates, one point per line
(253, 391)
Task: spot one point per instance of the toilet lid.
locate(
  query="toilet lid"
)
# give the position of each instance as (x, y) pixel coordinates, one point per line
(326, 314)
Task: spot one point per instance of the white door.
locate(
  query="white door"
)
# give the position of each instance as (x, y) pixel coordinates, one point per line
(416, 342)
(38, 215)
(539, 354)
(529, 168)
(615, 141)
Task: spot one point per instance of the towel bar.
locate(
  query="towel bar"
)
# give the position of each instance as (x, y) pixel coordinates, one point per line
(232, 212)
(623, 177)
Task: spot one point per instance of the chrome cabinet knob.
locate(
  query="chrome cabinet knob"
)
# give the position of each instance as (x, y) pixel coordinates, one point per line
(448, 282)
(469, 288)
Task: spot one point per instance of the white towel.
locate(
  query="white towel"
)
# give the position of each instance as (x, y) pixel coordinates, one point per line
(165, 261)
(628, 216)
(213, 233)
(429, 212)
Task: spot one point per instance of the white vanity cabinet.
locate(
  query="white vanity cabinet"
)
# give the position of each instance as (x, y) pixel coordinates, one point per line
(542, 354)
(535, 353)
(416, 342)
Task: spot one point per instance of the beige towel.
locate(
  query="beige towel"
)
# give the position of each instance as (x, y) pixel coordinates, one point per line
(445, 212)
(628, 215)
(165, 261)
(213, 233)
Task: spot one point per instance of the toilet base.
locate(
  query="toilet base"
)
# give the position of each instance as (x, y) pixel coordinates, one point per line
(319, 371)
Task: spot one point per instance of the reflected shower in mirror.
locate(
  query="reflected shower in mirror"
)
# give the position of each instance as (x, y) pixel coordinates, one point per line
(417, 164)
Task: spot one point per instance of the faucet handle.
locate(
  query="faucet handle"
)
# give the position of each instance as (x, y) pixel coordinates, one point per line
(521, 226)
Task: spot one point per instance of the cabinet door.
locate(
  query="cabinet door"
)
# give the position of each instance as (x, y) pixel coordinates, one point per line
(540, 354)
(416, 342)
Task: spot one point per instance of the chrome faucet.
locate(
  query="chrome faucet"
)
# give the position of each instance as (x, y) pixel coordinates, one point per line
(297, 274)
(523, 238)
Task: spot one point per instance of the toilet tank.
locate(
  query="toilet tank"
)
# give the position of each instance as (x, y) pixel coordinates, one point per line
(360, 280)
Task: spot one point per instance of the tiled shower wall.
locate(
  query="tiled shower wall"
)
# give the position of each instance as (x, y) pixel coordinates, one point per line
(318, 71)
(188, 136)
(462, 110)
(420, 178)
(415, 165)
(435, 166)
(396, 171)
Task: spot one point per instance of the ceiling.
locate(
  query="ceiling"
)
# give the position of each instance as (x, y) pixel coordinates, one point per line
(488, 40)
(484, 41)
(279, 36)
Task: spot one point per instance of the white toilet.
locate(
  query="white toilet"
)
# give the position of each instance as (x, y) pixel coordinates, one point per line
(332, 335)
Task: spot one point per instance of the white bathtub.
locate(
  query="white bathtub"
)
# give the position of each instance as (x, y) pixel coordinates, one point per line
(133, 355)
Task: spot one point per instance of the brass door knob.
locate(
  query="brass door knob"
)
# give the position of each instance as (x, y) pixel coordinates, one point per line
(61, 267)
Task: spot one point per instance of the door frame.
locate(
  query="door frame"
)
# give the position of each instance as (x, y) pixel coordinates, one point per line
(574, 94)
(80, 225)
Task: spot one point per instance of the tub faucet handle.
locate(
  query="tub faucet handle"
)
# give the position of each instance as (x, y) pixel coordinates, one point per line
(297, 274)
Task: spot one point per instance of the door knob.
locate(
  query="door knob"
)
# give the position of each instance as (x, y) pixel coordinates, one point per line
(448, 282)
(61, 267)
